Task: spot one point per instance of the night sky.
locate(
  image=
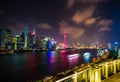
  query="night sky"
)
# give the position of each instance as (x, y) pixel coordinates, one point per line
(85, 21)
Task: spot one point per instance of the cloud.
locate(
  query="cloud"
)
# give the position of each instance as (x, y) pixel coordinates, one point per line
(70, 3)
(104, 25)
(44, 26)
(90, 21)
(105, 28)
(72, 31)
(16, 28)
(105, 22)
(80, 16)
(90, 1)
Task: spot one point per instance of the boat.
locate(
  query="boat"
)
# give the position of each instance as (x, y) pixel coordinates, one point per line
(6, 52)
(11, 52)
(73, 55)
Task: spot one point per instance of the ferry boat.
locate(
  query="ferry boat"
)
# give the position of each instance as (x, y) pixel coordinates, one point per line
(6, 52)
(73, 55)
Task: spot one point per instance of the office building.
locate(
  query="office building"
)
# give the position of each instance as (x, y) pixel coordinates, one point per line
(1, 37)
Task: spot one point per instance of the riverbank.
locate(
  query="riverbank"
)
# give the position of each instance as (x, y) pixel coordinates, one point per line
(95, 73)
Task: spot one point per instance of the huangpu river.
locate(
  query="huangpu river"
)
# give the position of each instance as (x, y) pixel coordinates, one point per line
(30, 67)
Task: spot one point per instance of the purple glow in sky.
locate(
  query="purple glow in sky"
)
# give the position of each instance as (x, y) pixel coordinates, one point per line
(86, 21)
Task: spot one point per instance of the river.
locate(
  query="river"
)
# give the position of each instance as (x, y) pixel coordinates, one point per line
(30, 67)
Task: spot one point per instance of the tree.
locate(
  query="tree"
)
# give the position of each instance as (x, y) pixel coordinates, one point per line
(113, 54)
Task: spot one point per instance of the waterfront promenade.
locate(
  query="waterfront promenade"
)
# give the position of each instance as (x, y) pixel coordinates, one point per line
(93, 72)
(113, 78)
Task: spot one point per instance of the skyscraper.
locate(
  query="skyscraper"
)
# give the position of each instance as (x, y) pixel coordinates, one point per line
(109, 46)
(30, 39)
(34, 35)
(26, 31)
(0, 37)
(8, 38)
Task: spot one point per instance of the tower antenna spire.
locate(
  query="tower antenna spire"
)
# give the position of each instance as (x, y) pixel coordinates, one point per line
(65, 38)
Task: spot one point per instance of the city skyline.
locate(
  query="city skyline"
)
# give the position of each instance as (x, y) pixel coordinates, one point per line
(86, 21)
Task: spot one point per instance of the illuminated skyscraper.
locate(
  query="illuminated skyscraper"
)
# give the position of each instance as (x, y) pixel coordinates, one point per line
(47, 43)
(26, 38)
(119, 51)
(41, 40)
(37, 42)
(31, 39)
(16, 42)
(109, 46)
(0, 37)
(115, 46)
(34, 36)
(65, 38)
(53, 43)
(8, 38)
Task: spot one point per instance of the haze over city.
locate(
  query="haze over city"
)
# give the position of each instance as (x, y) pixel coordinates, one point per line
(85, 21)
(59, 40)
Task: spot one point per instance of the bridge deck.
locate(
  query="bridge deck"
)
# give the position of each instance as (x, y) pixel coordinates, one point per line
(113, 78)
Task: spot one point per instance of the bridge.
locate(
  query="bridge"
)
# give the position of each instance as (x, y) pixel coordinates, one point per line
(96, 72)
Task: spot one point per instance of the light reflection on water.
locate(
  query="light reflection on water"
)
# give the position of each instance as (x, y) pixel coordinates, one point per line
(34, 66)
(87, 57)
(52, 58)
(73, 61)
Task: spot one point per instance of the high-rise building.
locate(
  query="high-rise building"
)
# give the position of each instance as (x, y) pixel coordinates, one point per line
(53, 43)
(34, 36)
(1, 37)
(41, 40)
(37, 42)
(119, 51)
(18, 41)
(21, 41)
(30, 39)
(26, 31)
(8, 38)
(109, 46)
(115, 46)
(22, 38)
(44, 43)
(47, 43)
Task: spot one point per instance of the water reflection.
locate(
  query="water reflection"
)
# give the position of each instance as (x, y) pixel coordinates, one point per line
(73, 55)
(31, 66)
(73, 59)
(51, 58)
(28, 67)
(16, 62)
(86, 57)
(63, 60)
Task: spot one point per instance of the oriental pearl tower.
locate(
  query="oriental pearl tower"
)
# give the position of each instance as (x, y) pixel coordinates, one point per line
(64, 39)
